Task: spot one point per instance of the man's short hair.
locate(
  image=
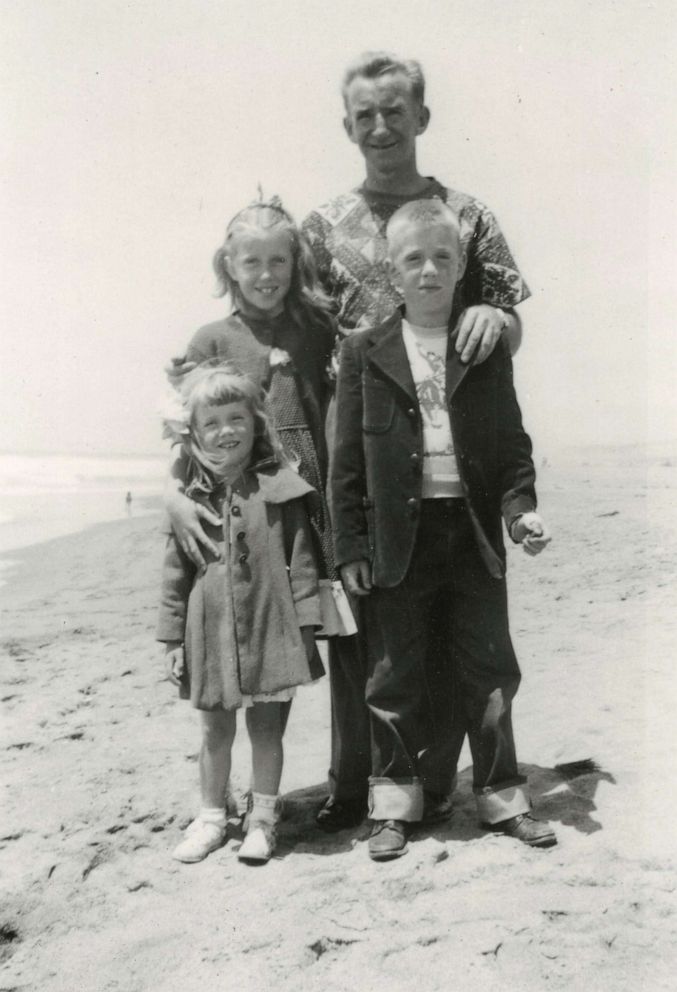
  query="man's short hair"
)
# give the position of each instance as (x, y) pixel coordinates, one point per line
(370, 65)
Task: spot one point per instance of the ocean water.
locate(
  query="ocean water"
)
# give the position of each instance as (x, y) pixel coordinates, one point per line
(46, 496)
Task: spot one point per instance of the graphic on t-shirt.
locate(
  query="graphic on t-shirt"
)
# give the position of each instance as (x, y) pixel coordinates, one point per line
(431, 393)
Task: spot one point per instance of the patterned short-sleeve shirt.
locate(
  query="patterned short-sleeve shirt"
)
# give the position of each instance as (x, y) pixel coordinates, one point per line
(347, 236)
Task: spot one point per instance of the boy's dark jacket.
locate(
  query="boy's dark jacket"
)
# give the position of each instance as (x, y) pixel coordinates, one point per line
(378, 456)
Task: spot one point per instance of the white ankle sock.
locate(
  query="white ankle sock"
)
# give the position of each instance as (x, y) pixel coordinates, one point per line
(215, 815)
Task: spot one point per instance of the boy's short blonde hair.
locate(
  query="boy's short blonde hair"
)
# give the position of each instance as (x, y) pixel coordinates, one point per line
(425, 212)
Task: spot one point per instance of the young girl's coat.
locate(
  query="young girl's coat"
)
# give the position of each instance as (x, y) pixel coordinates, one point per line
(240, 621)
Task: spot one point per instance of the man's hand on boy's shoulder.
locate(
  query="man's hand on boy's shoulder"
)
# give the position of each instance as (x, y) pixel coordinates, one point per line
(356, 578)
(479, 329)
(530, 531)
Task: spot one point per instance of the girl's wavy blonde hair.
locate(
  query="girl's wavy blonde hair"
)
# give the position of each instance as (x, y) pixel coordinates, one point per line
(213, 385)
(306, 301)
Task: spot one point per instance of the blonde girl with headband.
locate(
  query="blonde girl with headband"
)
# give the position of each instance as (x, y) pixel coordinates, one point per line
(239, 632)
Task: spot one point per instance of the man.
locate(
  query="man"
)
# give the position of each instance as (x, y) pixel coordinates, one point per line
(385, 114)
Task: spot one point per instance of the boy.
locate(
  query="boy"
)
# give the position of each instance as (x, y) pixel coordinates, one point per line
(429, 453)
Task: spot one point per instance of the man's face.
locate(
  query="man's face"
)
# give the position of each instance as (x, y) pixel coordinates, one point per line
(383, 119)
(425, 263)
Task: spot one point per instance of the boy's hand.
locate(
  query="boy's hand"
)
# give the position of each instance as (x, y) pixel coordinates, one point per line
(186, 517)
(530, 531)
(175, 662)
(177, 368)
(479, 329)
(356, 578)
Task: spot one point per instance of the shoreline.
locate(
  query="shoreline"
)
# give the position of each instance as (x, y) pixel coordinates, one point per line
(145, 504)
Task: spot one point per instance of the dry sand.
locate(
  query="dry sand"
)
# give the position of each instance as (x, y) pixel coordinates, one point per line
(99, 777)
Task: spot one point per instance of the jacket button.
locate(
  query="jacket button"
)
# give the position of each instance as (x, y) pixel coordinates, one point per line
(236, 511)
(241, 535)
(415, 458)
(242, 559)
(411, 412)
(413, 506)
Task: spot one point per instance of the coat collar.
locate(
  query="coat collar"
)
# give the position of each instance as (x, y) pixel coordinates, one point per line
(388, 353)
(276, 484)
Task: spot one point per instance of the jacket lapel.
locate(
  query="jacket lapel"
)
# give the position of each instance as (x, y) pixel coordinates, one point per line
(456, 369)
(388, 354)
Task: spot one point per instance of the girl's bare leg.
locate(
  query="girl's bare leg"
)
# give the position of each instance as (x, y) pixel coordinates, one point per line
(218, 733)
(265, 726)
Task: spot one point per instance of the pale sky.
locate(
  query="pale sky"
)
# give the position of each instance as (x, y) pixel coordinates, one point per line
(133, 132)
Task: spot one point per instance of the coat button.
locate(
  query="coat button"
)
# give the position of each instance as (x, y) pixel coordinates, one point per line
(242, 559)
(413, 506)
(415, 458)
(411, 412)
(241, 535)
(236, 511)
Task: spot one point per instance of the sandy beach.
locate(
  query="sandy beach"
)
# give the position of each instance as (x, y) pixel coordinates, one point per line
(99, 777)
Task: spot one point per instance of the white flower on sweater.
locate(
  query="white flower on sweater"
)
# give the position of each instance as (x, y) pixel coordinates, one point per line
(279, 357)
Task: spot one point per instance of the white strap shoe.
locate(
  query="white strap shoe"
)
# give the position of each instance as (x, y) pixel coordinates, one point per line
(259, 844)
(200, 839)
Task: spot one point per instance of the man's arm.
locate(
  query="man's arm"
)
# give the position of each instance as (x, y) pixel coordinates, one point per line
(185, 515)
(495, 287)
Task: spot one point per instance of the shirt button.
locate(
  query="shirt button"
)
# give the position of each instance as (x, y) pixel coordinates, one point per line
(236, 511)
(242, 559)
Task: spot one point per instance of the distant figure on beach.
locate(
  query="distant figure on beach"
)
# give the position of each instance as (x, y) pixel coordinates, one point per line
(128, 503)
(430, 452)
(239, 633)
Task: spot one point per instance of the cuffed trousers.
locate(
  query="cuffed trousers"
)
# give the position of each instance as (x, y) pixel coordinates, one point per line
(439, 645)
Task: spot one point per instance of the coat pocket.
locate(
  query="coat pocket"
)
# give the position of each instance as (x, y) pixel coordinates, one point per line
(378, 406)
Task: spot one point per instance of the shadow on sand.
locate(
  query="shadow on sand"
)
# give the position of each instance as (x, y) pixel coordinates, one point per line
(564, 794)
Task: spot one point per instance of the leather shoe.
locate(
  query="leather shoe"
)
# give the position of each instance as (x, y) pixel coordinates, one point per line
(334, 815)
(388, 840)
(528, 829)
(437, 808)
